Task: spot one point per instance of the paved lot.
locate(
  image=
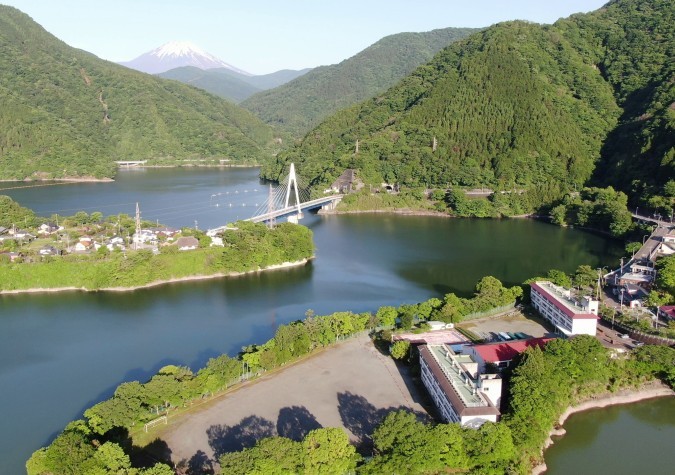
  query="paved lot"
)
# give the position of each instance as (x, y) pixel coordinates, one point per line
(352, 386)
(513, 322)
(436, 337)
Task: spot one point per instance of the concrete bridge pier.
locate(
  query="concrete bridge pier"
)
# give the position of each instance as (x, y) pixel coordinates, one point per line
(331, 205)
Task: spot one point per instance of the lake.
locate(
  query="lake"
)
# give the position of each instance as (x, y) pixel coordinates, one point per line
(61, 353)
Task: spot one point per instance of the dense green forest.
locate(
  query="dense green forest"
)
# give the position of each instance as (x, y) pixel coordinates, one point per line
(520, 106)
(66, 113)
(301, 104)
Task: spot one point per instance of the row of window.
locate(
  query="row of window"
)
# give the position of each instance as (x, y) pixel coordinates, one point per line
(551, 312)
(437, 394)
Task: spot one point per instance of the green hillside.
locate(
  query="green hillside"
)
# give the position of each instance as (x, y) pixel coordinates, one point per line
(301, 104)
(589, 99)
(230, 84)
(210, 80)
(271, 80)
(67, 113)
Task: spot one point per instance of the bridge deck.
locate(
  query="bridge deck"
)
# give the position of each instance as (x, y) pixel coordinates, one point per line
(307, 205)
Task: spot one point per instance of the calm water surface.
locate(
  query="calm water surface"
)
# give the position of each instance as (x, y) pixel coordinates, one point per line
(61, 353)
(619, 440)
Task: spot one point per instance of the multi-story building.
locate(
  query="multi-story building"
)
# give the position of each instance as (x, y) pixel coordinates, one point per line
(568, 315)
(459, 391)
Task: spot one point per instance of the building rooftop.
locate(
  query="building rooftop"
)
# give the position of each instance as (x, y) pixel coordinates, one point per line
(456, 383)
(561, 299)
(506, 351)
(668, 310)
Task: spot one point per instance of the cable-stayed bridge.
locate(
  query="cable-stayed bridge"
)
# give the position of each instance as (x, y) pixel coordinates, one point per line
(288, 200)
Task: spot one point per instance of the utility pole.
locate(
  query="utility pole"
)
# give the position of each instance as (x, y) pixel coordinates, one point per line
(138, 225)
(357, 147)
(196, 228)
(434, 145)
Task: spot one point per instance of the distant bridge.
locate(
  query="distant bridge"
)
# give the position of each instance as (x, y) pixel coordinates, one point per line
(130, 163)
(287, 201)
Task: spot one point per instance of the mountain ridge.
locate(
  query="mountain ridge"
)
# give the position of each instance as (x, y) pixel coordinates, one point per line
(67, 113)
(519, 105)
(302, 103)
(229, 84)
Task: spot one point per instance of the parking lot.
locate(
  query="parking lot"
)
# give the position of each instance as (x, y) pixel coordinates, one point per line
(513, 322)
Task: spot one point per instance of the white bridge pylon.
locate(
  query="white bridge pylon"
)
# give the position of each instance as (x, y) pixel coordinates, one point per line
(288, 198)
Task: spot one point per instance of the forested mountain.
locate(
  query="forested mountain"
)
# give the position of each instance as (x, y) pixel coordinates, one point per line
(301, 104)
(210, 80)
(520, 105)
(67, 113)
(229, 84)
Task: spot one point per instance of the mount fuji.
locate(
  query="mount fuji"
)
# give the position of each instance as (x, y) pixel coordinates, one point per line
(177, 54)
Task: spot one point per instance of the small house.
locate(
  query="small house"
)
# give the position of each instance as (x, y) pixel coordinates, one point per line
(48, 228)
(187, 243)
(49, 251)
(667, 312)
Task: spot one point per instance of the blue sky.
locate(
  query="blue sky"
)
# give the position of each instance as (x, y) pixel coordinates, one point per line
(262, 36)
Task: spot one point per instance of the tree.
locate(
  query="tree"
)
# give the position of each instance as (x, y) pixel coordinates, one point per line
(585, 276)
(558, 277)
(387, 316)
(328, 451)
(632, 247)
(399, 349)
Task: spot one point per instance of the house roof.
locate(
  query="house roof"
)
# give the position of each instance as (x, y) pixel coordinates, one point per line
(507, 350)
(562, 303)
(668, 310)
(187, 241)
(347, 178)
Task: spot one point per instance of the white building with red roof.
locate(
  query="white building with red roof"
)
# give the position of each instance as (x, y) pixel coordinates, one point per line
(568, 315)
(501, 353)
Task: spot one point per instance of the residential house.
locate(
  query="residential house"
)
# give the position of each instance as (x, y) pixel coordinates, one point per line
(48, 228)
(145, 236)
(187, 243)
(667, 312)
(49, 251)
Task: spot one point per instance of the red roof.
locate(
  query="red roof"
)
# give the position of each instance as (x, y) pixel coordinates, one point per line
(507, 350)
(668, 310)
(561, 306)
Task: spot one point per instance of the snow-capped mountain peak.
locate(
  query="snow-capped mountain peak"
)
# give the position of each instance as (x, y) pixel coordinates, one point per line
(175, 54)
(180, 48)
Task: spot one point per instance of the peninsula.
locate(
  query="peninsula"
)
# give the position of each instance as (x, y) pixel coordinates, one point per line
(87, 252)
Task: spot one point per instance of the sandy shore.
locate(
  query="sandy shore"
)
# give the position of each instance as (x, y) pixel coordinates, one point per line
(627, 396)
(156, 283)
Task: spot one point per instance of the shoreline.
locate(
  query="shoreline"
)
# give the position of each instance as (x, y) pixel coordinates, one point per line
(157, 283)
(626, 396)
(398, 211)
(91, 179)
